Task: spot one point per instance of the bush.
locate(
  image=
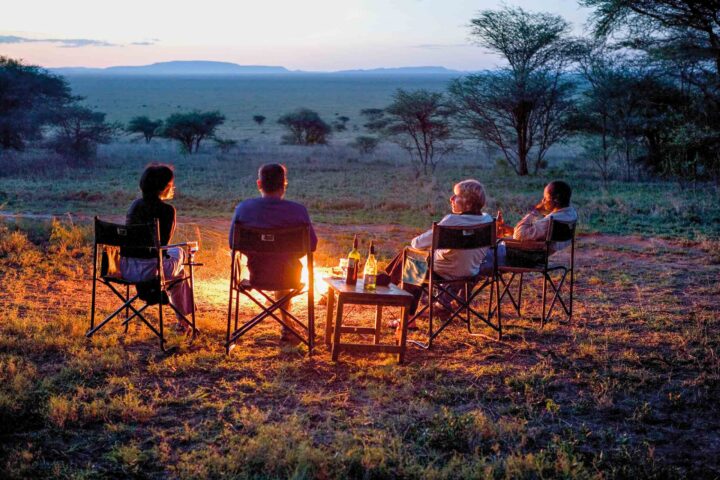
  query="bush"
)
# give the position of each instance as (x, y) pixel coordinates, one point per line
(191, 128)
(365, 145)
(305, 128)
(78, 132)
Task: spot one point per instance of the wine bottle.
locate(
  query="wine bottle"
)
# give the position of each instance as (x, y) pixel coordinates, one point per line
(370, 273)
(353, 263)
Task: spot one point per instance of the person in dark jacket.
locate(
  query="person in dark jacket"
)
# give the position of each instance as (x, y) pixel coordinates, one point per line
(157, 184)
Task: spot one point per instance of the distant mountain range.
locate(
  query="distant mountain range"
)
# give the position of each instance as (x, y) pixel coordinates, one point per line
(209, 68)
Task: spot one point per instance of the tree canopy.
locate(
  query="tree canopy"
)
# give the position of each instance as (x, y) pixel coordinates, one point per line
(28, 97)
(192, 128)
(418, 121)
(305, 127)
(521, 109)
(144, 126)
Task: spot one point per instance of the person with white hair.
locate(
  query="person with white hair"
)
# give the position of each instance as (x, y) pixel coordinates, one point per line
(466, 204)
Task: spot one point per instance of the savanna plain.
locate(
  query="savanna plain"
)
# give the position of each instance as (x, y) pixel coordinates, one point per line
(628, 388)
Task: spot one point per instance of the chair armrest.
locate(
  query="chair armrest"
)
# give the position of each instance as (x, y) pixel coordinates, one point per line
(526, 245)
(417, 251)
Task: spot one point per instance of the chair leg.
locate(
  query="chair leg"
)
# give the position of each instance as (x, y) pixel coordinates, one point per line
(520, 289)
(544, 299)
(499, 313)
(467, 308)
(127, 309)
(572, 284)
(229, 321)
(92, 308)
(161, 325)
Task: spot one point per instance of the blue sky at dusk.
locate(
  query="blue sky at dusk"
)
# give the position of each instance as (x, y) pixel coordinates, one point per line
(308, 35)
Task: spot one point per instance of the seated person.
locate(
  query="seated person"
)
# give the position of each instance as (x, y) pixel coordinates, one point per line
(271, 210)
(466, 205)
(534, 226)
(157, 184)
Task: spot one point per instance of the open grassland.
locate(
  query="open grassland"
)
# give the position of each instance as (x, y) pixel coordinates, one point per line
(340, 187)
(239, 98)
(628, 390)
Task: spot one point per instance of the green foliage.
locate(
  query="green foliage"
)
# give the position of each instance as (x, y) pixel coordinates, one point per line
(365, 145)
(28, 96)
(192, 128)
(305, 128)
(418, 122)
(225, 144)
(144, 126)
(78, 130)
(676, 41)
(520, 109)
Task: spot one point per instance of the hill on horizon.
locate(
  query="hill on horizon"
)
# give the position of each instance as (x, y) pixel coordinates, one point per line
(213, 68)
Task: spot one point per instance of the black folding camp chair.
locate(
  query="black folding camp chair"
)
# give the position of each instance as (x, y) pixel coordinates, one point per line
(109, 239)
(463, 290)
(295, 242)
(524, 256)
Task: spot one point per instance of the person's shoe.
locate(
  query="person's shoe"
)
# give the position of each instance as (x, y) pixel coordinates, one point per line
(396, 324)
(181, 328)
(288, 337)
(323, 300)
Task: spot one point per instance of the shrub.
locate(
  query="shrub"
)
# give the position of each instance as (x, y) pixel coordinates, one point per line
(305, 128)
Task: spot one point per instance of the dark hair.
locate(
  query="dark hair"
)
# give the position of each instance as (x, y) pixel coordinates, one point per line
(560, 193)
(155, 179)
(272, 177)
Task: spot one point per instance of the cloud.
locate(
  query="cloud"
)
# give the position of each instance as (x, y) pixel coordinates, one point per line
(435, 46)
(151, 41)
(62, 42)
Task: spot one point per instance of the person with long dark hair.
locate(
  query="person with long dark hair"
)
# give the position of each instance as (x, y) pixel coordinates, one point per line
(157, 185)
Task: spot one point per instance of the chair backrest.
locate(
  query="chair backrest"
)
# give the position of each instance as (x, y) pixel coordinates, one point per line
(111, 237)
(116, 235)
(286, 240)
(464, 237)
(561, 230)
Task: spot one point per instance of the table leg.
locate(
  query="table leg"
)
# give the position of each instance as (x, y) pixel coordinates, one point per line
(329, 317)
(403, 335)
(378, 323)
(336, 333)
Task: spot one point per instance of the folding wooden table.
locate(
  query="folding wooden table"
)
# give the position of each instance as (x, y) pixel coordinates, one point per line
(382, 296)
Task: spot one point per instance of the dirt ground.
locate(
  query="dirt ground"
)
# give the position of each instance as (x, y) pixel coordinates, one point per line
(636, 366)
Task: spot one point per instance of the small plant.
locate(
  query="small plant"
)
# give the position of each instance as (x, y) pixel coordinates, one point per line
(225, 145)
(365, 144)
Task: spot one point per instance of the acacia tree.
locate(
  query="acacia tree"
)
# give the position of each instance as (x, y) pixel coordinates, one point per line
(305, 127)
(417, 121)
(28, 97)
(144, 126)
(681, 38)
(522, 108)
(78, 130)
(259, 119)
(192, 128)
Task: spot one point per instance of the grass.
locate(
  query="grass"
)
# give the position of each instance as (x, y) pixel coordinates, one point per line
(341, 188)
(627, 390)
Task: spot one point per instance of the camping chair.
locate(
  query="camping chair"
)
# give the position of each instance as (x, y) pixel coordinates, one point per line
(293, 241)
(524, 256)
(458, 238)
(109, 238)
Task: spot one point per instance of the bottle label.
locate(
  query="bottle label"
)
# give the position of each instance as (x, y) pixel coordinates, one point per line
(370, 281)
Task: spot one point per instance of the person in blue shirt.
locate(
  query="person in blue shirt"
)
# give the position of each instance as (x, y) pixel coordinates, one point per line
(271, 271)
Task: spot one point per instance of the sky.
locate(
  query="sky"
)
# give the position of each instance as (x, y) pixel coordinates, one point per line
(314, 35)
